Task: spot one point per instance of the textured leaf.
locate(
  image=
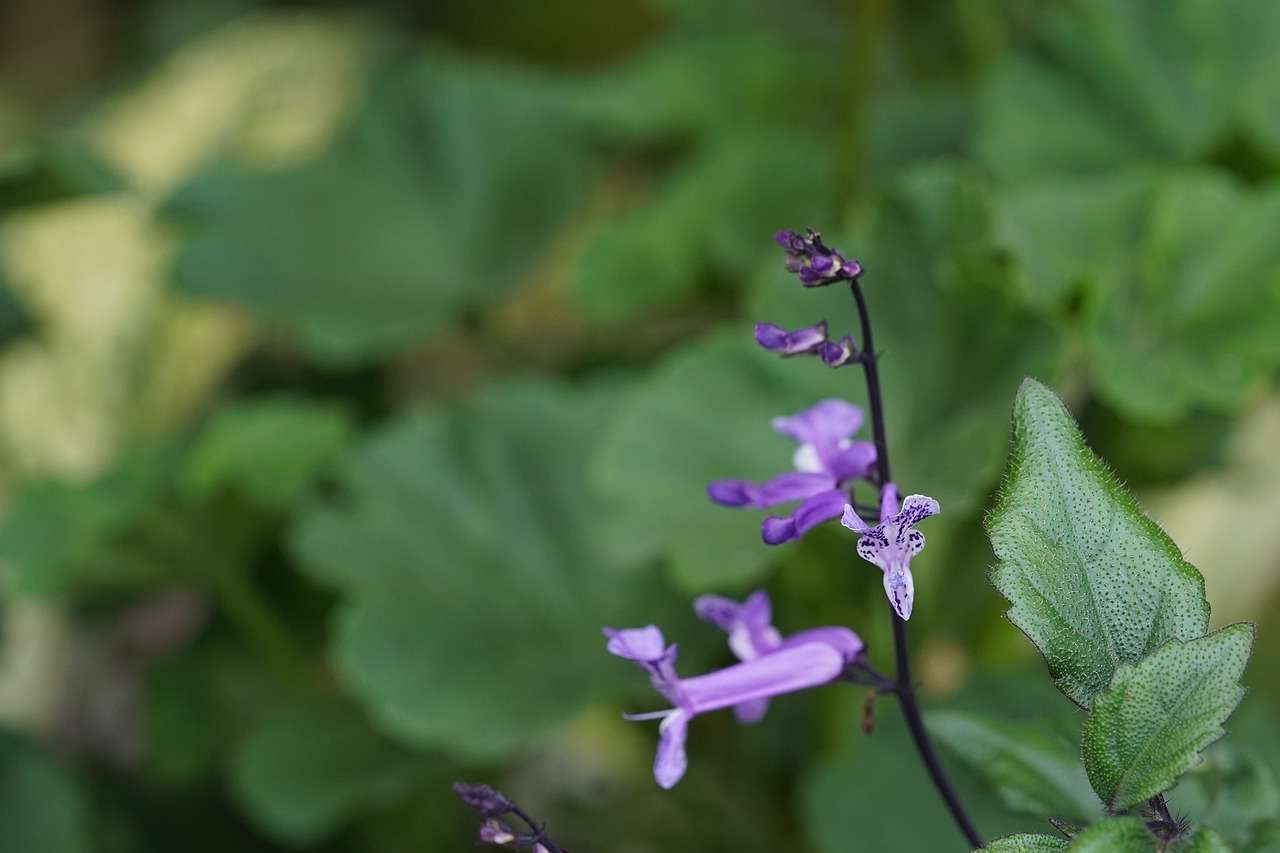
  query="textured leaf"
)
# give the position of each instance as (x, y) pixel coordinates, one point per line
(1114, 835)
(1148, 727)
(1027, 844)
(1092, 581)
(465, 550)
(1193, 317)
(270, 450)
(1033, 769)
(424, 209)
(304, 774)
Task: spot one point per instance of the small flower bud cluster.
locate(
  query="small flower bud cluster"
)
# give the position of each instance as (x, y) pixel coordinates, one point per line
(813, 262)
(493, 806)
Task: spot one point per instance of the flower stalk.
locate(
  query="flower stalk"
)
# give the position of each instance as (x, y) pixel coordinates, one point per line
(905, 688)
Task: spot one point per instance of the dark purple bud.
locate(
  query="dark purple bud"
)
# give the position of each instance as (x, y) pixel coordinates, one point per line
(786, 239)
(482, 798)
(794, 263)
(851, 270)
(811, 277)
(822, 263)
(838, 354)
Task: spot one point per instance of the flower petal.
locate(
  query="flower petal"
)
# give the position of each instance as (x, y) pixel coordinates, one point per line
(643, 645)
(670, 762)
(853, 462)
(900, 588)
(888, 502)
(803, 340)
(731, 492)
(781, 671)
(821, 507)
(749, 713)
(794, 486)
(917, 508)
(848, 644)
(852, 520)
(824, 423)
(718, 610)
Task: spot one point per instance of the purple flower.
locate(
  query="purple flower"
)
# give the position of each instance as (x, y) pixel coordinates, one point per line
(813, 261)
(893, 542)
(826, 458)
(494, 831)
(809, 340)
(807, 659)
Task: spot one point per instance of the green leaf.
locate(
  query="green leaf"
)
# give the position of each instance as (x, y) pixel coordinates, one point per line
(1066, 232)
(1192, 318)
(466, 557)
(43, 808)
(875, 795)
(1091, 580)
(1033, 769)
(702, 415)
(1114, 835)
(1114, 84)
(269, 450)
(1202, 840)
(1148, 727)
(304, 774)
(707, 216)
(424, 210)
(1235, 788)
(1027, 844)
(58, 534)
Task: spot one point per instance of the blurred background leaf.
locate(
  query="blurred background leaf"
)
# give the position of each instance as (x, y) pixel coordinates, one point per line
(360, 361)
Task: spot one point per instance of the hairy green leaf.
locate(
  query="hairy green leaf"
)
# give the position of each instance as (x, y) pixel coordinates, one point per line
(1149, 725)
(1114, 835)
(1027, 844)
(1033, 769)
(1091, 580)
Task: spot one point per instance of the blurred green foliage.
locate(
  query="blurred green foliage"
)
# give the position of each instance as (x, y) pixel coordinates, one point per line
(405, 337)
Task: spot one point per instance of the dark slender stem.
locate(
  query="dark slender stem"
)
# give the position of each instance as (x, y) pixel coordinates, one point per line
(906, 691)
(538, 832)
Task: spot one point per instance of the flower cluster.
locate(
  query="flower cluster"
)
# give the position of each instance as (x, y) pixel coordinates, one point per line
(770, 665)
(492, 806)
(826, 461)
(813, 262)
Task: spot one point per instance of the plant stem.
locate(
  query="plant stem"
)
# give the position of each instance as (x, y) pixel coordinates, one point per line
(906, 690)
